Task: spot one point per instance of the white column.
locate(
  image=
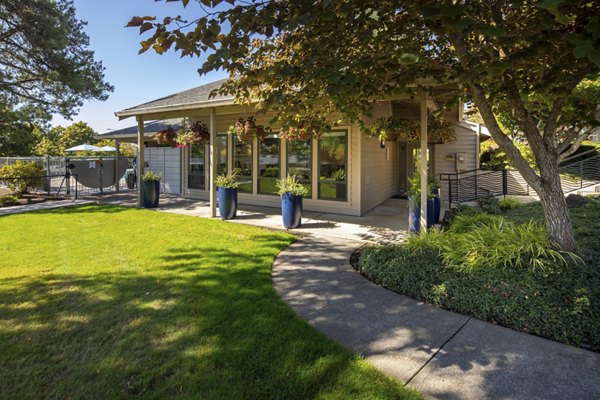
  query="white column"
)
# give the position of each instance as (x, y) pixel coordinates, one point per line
(423, 163)
(140, 157)
(212, 166)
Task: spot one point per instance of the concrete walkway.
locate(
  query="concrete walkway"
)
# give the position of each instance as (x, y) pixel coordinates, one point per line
(442, 354)
(46, 205)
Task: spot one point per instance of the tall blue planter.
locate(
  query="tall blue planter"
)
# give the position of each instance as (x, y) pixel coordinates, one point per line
(291, 210)
(150, 193)
(228, 199)
(437, 205)
(414, 214)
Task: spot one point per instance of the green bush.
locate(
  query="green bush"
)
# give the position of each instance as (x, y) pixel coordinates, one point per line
(22, 177)
(490, 205)
(8, 200)
(464, 222)
(561, 304)
(508, 203)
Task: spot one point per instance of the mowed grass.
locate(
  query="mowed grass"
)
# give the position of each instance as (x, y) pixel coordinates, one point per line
(111, 302)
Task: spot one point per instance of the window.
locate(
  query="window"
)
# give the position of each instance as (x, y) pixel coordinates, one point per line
(333, 166)
(221, 149)
(197, 167)
(242, 164)
(299, 162)
(269, 169)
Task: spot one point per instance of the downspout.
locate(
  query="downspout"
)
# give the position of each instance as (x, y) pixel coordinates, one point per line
(117, 157)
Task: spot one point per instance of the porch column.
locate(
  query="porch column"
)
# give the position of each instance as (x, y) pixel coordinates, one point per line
(212, 167)
(423, 162)
(117, 157)
(140, 158)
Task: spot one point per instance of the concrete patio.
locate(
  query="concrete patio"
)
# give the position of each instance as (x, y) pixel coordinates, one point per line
(386, 223)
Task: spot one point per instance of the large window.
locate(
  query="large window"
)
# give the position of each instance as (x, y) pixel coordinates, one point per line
(333, 166)
(268, 164)
(197, 167)
(242, 164)
(299, 162)
(221, 150)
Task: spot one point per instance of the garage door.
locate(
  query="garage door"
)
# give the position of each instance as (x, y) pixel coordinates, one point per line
(166, 161)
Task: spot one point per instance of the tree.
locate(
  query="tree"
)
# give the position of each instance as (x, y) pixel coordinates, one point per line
(55, 141)
(522, 58)
(45, 61)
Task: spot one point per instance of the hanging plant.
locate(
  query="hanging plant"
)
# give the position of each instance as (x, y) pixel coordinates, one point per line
(308, 128)
(197, 134)
(167, 137)
(387, 129)
(247, 129)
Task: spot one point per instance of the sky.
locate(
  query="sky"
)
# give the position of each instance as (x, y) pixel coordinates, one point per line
(136, 78)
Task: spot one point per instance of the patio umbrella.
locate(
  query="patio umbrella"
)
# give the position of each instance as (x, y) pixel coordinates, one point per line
(106, 148)
(84, 147)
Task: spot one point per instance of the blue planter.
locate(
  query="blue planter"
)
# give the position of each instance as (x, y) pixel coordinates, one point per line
(437, 205)
(228, 200)
(150, 193)
(414, 214)
(291, 210)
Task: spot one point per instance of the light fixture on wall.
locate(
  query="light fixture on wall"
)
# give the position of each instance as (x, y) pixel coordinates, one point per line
(382, 144)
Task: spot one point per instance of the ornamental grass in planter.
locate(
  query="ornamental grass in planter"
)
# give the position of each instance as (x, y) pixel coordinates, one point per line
(227, 190)
(150, 189)
(292, 193)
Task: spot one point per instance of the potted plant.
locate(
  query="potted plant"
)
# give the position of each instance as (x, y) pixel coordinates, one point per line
(291, 192)
(166, 137)
(414, 204)
(150, 189)
(197, 134)
(227, 189)
(305, 129)
(247, 129)
(434, 189)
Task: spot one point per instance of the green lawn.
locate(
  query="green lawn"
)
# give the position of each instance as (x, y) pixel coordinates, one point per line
(110, 302)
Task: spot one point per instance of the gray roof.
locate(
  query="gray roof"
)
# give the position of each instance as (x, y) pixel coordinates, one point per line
(191, 98)
(150, 129)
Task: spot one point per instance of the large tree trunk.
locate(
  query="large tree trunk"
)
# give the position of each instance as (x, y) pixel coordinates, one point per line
(556, 212)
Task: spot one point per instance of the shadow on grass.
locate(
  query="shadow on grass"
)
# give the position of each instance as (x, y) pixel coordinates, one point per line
(204, 323)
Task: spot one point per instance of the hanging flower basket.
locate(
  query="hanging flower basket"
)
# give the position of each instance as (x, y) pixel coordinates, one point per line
(166, 137)
(388, 129)
(197, 134)
(307, 128)
(247, 129)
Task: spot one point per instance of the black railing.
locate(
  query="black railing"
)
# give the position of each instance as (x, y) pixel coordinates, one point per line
(579, 172)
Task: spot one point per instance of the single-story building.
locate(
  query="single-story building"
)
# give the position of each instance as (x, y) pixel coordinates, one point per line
(346, 171)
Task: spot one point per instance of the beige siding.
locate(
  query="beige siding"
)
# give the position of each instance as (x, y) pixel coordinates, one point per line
(465, 146)
(379, 173)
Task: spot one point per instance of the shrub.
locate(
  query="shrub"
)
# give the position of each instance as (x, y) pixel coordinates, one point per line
(8, 200)
(22, 177)
(563, 304)
(490, 205)
(464, 222)
(508, 203)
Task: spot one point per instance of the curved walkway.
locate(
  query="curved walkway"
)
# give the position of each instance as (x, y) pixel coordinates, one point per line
(440, 353)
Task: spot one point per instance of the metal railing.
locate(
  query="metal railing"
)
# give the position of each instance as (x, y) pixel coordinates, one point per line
(580, 171)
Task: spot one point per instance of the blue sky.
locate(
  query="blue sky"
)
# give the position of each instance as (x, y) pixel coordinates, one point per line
(136, 78)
